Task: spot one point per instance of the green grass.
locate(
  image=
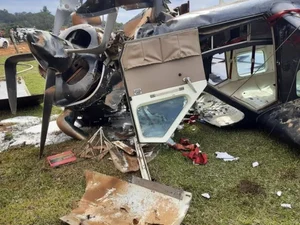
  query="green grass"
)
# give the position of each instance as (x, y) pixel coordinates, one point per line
(33, 193)
(40, 195)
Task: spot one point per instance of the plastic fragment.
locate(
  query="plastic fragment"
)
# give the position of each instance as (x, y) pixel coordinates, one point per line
(287, 206)
(206, 195)
(255, 164)
(279, 193)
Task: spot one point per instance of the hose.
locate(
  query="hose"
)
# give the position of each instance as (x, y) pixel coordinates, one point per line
(30, 67)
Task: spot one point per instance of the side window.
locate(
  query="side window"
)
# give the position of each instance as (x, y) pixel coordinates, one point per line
(298, 84)
(218, 69)
(244, 63)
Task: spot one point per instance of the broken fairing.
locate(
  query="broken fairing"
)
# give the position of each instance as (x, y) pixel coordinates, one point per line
(108, 200)
(215, 112)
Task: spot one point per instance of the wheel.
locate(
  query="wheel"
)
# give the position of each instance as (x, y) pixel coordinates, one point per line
(5, 45)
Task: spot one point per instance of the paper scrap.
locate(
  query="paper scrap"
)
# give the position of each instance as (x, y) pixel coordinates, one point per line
(225, 156)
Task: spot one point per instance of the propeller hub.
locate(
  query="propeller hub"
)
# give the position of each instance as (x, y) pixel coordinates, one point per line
(49, 50)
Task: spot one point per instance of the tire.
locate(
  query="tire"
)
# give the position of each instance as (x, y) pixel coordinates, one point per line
(5, 44)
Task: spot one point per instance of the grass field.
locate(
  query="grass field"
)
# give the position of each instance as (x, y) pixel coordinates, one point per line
(33, 193)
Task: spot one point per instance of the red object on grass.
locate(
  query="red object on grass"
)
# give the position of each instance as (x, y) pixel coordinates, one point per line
(191, 120)
(194, 153)
(184, 141)
(197, 156)
(61, 158)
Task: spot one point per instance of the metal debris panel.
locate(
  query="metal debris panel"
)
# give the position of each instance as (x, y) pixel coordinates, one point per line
(108, 200)
(22, 90)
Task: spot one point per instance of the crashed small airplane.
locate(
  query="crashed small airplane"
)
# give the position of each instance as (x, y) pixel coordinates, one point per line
(244, 55)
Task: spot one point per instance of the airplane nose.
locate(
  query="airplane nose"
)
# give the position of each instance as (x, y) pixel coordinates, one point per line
(36, 37)
(32, 37)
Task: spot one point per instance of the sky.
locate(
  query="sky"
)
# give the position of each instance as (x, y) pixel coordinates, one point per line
(36, 5)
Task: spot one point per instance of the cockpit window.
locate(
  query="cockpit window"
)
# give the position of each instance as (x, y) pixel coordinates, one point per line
(244, 63)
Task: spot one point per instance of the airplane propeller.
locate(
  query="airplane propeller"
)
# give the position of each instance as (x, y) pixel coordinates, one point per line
(47, 109)
(11, 77)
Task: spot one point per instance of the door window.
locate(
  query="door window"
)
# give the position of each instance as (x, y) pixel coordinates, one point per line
(156, 119)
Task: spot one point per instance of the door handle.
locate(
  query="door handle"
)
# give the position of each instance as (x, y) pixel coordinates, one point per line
(187, 80)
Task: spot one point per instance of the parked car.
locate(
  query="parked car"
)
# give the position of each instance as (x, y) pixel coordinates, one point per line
(4, 43)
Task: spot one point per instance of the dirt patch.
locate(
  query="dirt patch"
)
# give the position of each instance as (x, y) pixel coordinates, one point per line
(22, 47)
(250, 187)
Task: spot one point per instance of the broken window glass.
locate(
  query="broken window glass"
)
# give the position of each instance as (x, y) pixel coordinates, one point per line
(243, 63)
(156, 119)
(218, 69)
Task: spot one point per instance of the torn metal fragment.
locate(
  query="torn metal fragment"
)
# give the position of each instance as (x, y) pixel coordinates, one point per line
(108, 200)
(124, 147)
(124, 162)
(217, 113)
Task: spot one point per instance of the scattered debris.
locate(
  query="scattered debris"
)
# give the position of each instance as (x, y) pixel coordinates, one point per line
(226, 157)
(287, 206)
(255, 164)
(108, 200)
(191, 119)
(194, 153)
(61, 158)
(123, 153)
(215, 112)
(122, 161)
(145, 172)
(279, 193)
(124, 147)
(96, 148)
(26, 130)
(206, 195)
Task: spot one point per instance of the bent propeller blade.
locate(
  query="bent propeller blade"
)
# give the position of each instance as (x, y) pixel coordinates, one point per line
(48, 102)
(11, 77)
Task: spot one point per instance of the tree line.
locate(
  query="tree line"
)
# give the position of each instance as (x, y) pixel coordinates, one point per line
(42, 20)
